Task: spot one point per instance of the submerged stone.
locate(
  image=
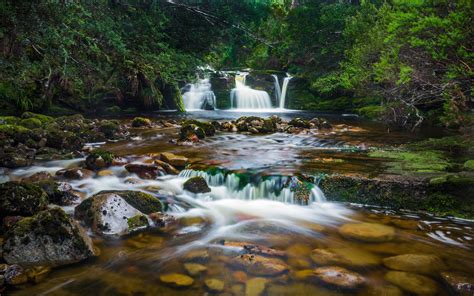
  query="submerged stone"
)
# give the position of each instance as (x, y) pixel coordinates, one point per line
(347, 256)
(177, 280)
(382, 290)
(417, 263)
(367, 232)
(214, 285)
(194, 269)
(48, 238)
(259, 265)
(413, 283)
(340, 277)
(255, 286)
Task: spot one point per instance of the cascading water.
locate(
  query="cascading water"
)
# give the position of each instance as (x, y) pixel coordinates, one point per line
(277, 188)
(244, 97)
(277, 89)
(199, 96)
(284, 90)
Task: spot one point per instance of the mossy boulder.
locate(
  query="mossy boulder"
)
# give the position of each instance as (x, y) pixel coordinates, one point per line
(60, 139)
(99, 159)
(196, 185)
(13, 120)
(469, 165)
(208, 128)
(255, 124)
(117, 212)
(191, 132)
(18, 133)
(141, 122)
(59, 193)
(50, 237)
(42, 118)
(299, 122)
(21, 199)
(31, 123)
(109, 128)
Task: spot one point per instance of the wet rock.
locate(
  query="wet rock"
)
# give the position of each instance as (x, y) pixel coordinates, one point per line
(105, 173)
(161, 219)
(141, 122)
(405, 224)
(382, 290)
(197, 256)
(21, 199)
(191, 132)
(15, 275)
(194, 269)
(48, 238)
(460, 283)
(40, 176)
(239, 276)
(299, 122)
(177, 280)
(303, 275)
(237, 289)
(196, 185)
(145, 171)
(340, 277)
(255, 125)
(59, 193)
(16, 157)
(74, 173)
(413, 283)
(167, 167)
(38, 274)
(177, 161)
(259, 265)
(208, 128)
(214, 285)
(344, 256)
(99, 159)
(255, 286)
(251, 248)
(9, 221)
(367, 232)
(117, 213)
(417, 263)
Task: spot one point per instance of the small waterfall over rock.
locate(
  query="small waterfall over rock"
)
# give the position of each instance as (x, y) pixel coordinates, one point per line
(199, 96)
(238, 186)
(284, 90)
(244, 97)
(277, 89)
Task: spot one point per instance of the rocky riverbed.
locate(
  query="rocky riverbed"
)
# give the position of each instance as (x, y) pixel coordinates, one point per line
(234, 206)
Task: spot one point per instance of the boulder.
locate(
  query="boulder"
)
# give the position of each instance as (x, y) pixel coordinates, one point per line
(99, 159)
(50, 237)
(40, 176)
(259, 265)
(346, 256)
(21, 199)
(117, 213)
(167, 167)
(177, 161)
(299, 122)
(196, 185)
(417, 263)
(176, 280)
(145, 171)
(413, 283)
(208, 128)
(191, 132)
(461, 284)
(15, 275)
(74, 173)
(367, 232)
(339, 277)
(141, 122)
(59, 193)
(15, 157)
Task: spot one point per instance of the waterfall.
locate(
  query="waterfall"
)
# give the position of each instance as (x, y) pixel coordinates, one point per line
(277, 89)
(244, 97)
(284, 90)
(231, 185)
(199, 96)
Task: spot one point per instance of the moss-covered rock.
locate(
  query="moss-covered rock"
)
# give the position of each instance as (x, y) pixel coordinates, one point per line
(469, 165)
(191, 132)
(196, 185)
(113, 213)
(59, 193)
(109, 128)
(42, 118)
(99, 159)
(21, 199)
(417, 161)
(141, 122)
(137, 222)
(31, 123)
(50, 237)
(299, 122)
(13, 120)
(208, 128)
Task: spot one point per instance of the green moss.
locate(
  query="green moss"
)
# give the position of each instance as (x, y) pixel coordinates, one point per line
(40, 117)
(113, 110)
(460, 144)
(141, 201)
(190, 130)
(9, 120)
(109, 127)
(469, 165)
(196, 185)
(418, 161)
(31, 123)
(372, 112)
(140, 122)
(21, 199)
(136, 222)
(208, 128)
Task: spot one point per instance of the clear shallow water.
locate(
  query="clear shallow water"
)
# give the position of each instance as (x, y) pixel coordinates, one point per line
(261, 212)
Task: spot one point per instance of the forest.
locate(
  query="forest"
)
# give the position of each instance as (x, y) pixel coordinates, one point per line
(237, 147)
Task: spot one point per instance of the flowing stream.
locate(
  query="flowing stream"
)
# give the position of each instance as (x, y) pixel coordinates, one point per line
(199, 95)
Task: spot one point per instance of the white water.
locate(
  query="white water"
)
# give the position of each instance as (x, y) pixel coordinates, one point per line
(245, 98)
(277, 89)
(284, 90)
(199, 95)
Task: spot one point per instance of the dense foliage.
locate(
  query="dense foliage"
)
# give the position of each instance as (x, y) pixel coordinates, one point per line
(403, 60)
